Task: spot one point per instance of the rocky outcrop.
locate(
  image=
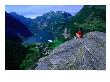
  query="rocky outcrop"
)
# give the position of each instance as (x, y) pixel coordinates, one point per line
(88, 53)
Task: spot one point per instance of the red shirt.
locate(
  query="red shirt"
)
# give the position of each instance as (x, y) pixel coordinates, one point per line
(79, 34)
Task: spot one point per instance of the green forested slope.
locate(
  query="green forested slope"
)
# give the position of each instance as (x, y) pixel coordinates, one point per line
(90, 18)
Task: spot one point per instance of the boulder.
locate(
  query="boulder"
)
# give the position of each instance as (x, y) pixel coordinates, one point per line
(88, 53)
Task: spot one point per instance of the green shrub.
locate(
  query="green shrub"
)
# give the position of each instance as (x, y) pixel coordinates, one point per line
(31, 58)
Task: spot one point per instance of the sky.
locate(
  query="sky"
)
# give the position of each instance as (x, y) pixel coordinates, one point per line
(32, 11)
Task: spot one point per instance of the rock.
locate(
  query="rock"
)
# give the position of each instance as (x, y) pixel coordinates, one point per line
(66, 33)
(88, 53)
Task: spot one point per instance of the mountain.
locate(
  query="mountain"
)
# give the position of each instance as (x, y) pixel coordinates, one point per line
(14, 29)
(15, 33)
(26, 21)
(53, 20)
(51, 23)
(62, 25)
(88, 53)
(89, 18)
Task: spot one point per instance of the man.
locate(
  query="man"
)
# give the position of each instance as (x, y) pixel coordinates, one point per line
(79, 34)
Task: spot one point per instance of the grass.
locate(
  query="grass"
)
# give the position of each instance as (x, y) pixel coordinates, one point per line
(56, 43)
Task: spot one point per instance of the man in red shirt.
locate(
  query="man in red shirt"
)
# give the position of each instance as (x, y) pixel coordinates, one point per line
(79, 34)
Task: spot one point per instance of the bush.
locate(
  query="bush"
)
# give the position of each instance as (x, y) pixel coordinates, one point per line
(37, 51)
(32, 57)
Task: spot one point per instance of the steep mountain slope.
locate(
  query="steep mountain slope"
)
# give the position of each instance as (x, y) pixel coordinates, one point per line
(15, 33)
(51, 24)
(89, 18)
(53, 21)
(21, 18)
(14, 29)
(26, 21)
(88, 53)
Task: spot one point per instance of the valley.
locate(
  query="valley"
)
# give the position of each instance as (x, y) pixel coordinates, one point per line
(37, 42)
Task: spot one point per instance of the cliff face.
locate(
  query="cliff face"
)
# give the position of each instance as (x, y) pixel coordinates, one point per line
(88, 53)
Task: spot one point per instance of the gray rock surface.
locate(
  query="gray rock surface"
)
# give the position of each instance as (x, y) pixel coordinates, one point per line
(88, 53)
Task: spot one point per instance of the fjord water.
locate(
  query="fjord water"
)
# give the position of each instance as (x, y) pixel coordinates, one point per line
(40, 37)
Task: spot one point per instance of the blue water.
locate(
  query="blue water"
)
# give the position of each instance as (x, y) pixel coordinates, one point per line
(41, 37)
